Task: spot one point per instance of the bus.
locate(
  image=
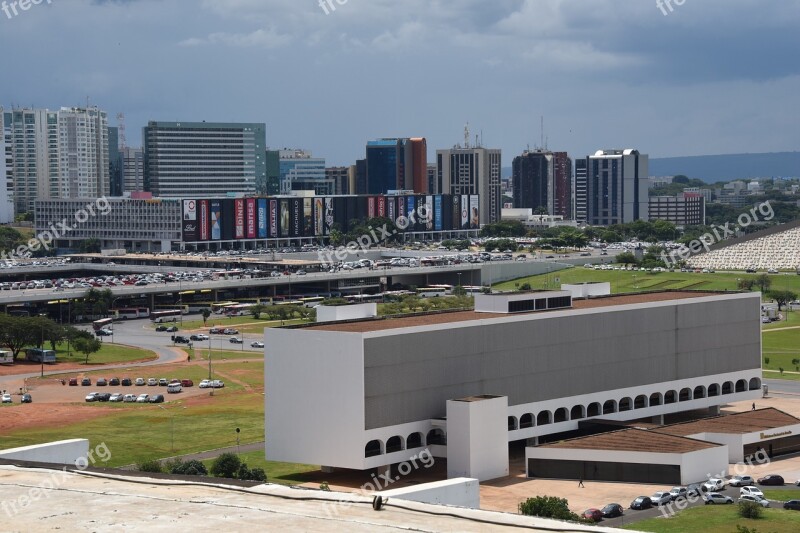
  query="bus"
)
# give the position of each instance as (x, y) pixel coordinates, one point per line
(37, 355)
(170, 315)
(238, 309)
(6, 357)
(433, 292)
(131, 312)
(312, 301)
(102, 323)
(219, 307)
(472, 289)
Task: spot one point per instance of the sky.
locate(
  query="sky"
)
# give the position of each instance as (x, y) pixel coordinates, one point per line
(691, 77)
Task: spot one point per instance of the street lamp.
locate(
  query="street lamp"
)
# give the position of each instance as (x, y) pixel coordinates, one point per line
(172, 426)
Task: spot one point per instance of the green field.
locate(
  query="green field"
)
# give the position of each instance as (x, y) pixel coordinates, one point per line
(283, 473)
(779, 495)
(108, 354)
(224, 355)
(720, 519)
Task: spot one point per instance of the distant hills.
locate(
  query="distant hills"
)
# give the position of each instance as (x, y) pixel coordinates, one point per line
(713, 168)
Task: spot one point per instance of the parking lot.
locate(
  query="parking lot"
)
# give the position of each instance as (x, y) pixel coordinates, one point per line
(52, 391)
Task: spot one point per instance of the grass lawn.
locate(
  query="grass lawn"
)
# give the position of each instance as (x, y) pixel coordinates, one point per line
(780, 347)
(250, 372)
(283, 473)
(108, 354)
(222, 355)
(245, 324)
(782, 495)
(720, 519)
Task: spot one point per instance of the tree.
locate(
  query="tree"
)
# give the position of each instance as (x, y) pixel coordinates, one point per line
(18, 332)
(87, 346)
(782, 297)
(205, 313)
(745, 284)
(226, 465)
(764, 282)
(547, 507)
(505, 228)
(627, 258)
(257, 310)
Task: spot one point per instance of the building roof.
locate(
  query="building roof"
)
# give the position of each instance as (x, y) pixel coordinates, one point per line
(634, 440)
(738, 423)
(466, 316)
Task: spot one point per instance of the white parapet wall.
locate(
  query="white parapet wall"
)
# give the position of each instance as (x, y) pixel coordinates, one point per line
(63, 452)
(586, 290)
(336, 313)
(459, 492)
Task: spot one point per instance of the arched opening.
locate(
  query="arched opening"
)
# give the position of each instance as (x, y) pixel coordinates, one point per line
(543, 418)
(713, 390)
(609, 407)
(561, 415)
(625, 404)
(414, 441)
(655, 399)
(436, 436)
(373, 448)
(699, 392)
(741, 385)
(512, 423)
(576, 413)
(685, 395)
(594, 409)
(394, 444)
(727, 387)
(640, 402)
(670, 397)
(755, 384)
(526, 421)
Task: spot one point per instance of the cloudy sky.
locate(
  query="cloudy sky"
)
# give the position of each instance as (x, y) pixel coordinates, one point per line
(709, 77)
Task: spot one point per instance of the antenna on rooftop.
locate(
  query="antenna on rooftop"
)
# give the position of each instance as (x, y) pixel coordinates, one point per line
(466, 136)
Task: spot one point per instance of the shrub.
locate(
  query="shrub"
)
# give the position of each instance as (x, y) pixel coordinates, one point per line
(766, 360)
(190, 468)
(258, 474)
(226, 465)
(548, 507)
(750, 510)
(525, 287)
(150, 466)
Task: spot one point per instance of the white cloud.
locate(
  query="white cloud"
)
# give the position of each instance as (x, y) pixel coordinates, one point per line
(259, 38)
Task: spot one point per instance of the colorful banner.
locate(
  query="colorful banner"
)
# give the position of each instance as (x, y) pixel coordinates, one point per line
(216, 220)
(238, 217)
(250, 217)
(273, 219)
(262, 218)
(319, 217)
(391, 212)
(329, 220)
(190, 220)
(474, 214)
(381, 206)
(308, 217)
(296, 210)
(429, 213)
(464, 212)
(203, 220)
(284, 218)
(437, 213)
(371, 207)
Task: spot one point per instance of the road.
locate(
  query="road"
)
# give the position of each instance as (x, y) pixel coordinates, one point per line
(783, 386)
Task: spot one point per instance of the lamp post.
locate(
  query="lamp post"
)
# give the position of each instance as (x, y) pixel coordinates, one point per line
(209, 357)
(172, 426)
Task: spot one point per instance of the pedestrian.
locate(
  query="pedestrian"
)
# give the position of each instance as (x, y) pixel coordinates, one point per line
(754, 406)
(580, 483)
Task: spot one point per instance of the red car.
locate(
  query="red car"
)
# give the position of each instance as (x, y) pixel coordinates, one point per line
(595, 515)
(73, 382)
(187, 383)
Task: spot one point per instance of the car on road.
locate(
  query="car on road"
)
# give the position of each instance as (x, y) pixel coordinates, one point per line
(678, 492)
(771, 479)
(751, 491)
(161, 328)
(661, 498)
(198, 337)
(765, 320)
(714, 484)
(593, 515)
(256, 344)
(171, 329)
(230, 331)
(156, 398)
(26, 398)
(116, 397)
(73, 382)
(236, 340)
(129, 398)
(162, 382)
(612, 510)
(714, 498)
(92, 397)
(187, 383)
(102, 382)
(741, 481)
(180, 339)
(763, 502)
(140, 381)
(794, 505)
(152, 382)
(86, 382)
(301, 272)
(104, 333)
(126, 382)
(142, 398)
(216, 331)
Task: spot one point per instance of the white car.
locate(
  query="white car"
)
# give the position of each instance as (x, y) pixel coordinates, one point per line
(751, 491)
(129, 398)
(140, 381)
(116, 397)
(217, 384)
(205, 384)
(714, 484)
(152, 382)
(256, 344)
(755, 499)
(661, 498)
(143, 398)
(715, 498)
(741, 481)
(7, 398)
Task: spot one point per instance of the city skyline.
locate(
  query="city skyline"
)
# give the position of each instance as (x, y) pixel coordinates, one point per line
(620, 74)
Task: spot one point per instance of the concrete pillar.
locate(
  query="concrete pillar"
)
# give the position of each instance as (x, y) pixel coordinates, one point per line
(533, 441)
(658, 419)
(477, 437)
(714, 410)
(327, 469)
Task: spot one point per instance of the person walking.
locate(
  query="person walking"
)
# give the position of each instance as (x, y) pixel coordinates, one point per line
(754, 406)
(580, 483)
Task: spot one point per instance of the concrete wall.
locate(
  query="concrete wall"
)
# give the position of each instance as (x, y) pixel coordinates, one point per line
(64, 452)
(459, 492)
(584, 290)
(699, 466)
(495, 272)
(410, 374)
(334, 313)
(477, 446)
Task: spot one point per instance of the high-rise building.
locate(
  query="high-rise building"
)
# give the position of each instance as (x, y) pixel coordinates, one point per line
(343, 179)
(6, 179)
(32, 135)
(617, 187)
(532, 181)
(684, 209)
(472, 171)
(361, 176)
(132, 168)
(300, 171)
(83, 152)
(114, 163)
(431, 177)
(397, 164)
(204, 158)
(580, 207)
(562, 186)
(271, 185)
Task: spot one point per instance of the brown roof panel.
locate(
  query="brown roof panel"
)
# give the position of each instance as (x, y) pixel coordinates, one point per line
(737, 423)
(634, 440)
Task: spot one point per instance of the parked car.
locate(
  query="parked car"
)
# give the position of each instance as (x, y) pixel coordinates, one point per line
(771, 479)
(92, 396)
(157, 398)
(142, 398)
(86, 382)
(102, 382)
(741, 481)
(595, 515)
(205, 384)
(678, 492)
(73, 382)
(216, 331)
(256, 344)
(714, 484)
(26, 398)
(236, 340)
(129, 398)
(126, 382)
(103, 396)
(717, 498)
(217, 384)
(187, 383)
(751, 491)
(116, 397)
(113, 382)
(174, 388)
(162, 382)
(612, 510)
(152, 382)
(794, 505)
(140, 381)
(694, 490)
(763, 502)
(661, 498)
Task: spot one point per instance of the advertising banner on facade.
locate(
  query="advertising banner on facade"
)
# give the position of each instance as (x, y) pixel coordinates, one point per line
(250, 218)
(273, 219)
(464, 212)
(437, 213)
(238, 216)
(308, 217)
(216, 220)
(190, 220)
(319, 216)
(474, 214)
(262, 218)
(285, 218)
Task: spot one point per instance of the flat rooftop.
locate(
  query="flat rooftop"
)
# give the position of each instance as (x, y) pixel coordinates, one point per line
(634, 440)
(466, 316)
(738, 423)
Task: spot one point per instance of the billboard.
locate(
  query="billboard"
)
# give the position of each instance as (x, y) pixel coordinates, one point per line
(216, 220)
(464, 212)
(456, 220)
(381, 206)
(474, 214)
(319, 216)
(238, 215)
(227, 220)
(391, 211)
(308, 217)
(284, 218)
(203, 220)
(273, 219)
(437, 213)
(262, 218)
(190, 220)
(250, 218)
(329, 220)
(409, 212)
(296, 211)
(429, 213)
(371, 207)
